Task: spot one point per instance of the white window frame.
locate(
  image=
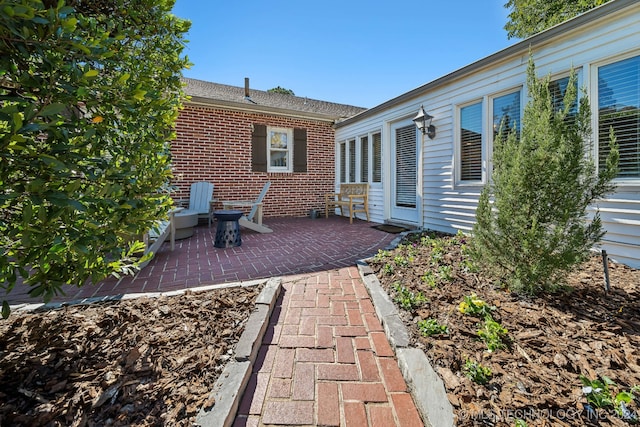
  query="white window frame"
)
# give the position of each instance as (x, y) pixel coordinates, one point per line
(363, 141)
(352, 154)
(288, 150)
(344, 147)
(595, 115)
(371, 158)
(457, 149)
(489, 130)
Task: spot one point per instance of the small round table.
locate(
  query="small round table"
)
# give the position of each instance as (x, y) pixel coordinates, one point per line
(228, 229)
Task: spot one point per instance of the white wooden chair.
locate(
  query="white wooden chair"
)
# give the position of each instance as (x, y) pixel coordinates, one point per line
(253, 220)
(155, 237)
(200, 199)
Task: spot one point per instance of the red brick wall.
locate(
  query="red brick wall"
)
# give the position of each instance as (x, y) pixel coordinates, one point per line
(215, 145)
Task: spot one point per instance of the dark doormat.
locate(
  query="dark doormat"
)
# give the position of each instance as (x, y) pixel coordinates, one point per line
(390, 228)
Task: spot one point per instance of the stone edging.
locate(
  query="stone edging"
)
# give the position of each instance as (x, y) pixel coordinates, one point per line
(228, 389)
(426, 387)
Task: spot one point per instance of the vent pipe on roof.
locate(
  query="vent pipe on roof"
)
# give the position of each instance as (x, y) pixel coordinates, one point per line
(247, 97)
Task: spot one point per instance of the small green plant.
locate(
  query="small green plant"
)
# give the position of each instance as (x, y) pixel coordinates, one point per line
(430, 279)
(401, 261)
(407, 299)
(426, 240)
(600, 396)
(597, 391)
(520, 423)
(430, 327)
(446, 273)
(381, 255)
(493, 334)
(412, 250)
(474, 306)
(476, 372)
(388, 269)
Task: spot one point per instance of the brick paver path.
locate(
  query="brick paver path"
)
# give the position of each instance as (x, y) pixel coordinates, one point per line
(326, 361)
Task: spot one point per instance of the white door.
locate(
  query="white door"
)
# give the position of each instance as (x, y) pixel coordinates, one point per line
(404, 172)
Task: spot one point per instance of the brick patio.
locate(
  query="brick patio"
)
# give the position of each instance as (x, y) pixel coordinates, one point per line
(325, 359)
(297, 245)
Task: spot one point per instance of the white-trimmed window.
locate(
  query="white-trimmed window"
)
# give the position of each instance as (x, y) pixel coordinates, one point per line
(558, 90)
(352, 160)
(376, 157)
(280, 146)
(342, 172)
(505, 111)
(470, 142)
(619, 108)
(364, 159)
(360, 159)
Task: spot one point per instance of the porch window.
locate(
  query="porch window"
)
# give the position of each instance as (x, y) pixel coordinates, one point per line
(471, 142)
(619, 108)
(343, 162)
(360, 159)
(376, 157)
(364, 159)
(352, 160)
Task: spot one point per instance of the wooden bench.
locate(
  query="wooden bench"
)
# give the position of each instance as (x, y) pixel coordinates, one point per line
(351, 196)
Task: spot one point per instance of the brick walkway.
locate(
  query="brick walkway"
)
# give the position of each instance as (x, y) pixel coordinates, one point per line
(325, 360)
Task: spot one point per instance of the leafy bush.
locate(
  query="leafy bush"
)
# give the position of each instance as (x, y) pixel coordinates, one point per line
(531, 227)
(89, 94)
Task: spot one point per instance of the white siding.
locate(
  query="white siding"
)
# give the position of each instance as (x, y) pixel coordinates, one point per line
(449, 206)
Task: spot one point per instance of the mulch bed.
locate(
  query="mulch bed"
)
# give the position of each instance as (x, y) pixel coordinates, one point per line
(551, 340)
(142, 362)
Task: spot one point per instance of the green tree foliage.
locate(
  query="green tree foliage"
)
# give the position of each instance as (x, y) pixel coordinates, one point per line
(281, 90)
(529, 17)
(532, 226)
(89, 93)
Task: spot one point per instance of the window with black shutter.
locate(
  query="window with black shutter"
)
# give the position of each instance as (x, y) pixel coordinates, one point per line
(275, 149)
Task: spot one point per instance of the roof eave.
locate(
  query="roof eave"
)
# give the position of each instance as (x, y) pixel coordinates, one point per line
(248, 108)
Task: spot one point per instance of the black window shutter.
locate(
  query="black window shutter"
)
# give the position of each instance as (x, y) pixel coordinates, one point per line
(259, 148)
(299, 150)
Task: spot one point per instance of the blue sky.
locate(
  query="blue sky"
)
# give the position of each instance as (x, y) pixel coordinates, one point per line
(347, 51)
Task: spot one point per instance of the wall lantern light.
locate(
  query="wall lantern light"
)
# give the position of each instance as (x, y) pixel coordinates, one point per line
(423, 122)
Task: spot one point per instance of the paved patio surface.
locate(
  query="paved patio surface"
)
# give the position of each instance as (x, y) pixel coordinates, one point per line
(325, 359)
(297, 245)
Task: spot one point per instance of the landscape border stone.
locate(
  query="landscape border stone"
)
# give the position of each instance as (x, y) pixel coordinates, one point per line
(426, 387)
(123, 297)
(228, 389)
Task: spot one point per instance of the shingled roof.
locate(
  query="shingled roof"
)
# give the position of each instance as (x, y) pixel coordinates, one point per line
(233, 97)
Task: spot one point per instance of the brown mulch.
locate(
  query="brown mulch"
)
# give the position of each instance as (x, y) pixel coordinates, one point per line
(551, 340)
(143, 362)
